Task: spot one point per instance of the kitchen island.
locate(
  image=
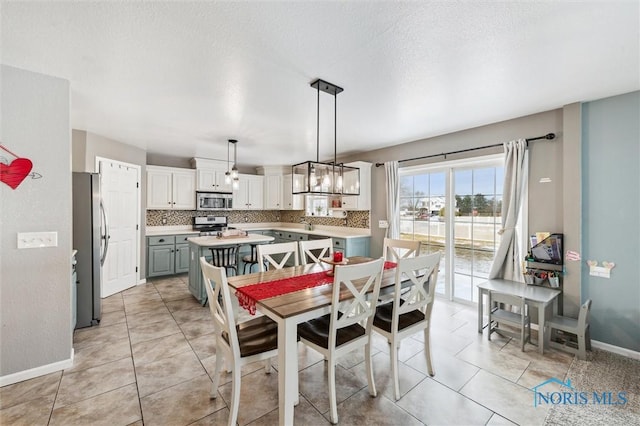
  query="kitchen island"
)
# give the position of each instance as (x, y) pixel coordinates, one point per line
(199, 246)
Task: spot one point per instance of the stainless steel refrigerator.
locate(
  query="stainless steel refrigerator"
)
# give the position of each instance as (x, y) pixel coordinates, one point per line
(89, 230)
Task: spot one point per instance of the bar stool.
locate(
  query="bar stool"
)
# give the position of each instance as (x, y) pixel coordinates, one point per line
(225, 257)
(250, 259)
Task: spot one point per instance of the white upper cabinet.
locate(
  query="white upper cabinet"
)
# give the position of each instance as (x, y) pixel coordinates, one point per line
(290, 201)
(362, 201)
(211, 175)
(170, 188)
(250, 195)
(273, 192)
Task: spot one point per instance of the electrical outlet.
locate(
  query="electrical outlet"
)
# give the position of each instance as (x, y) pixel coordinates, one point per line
(383, 224)
(37, 239)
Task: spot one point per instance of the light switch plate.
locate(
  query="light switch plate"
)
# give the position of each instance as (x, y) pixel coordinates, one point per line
(37, 239)
(383, 224)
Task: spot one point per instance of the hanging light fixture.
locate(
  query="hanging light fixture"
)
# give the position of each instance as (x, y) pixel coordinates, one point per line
(227, 174)
(234, 170)
(328, 177)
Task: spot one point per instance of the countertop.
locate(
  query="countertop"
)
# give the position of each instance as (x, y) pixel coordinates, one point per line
(327, 231)
(215, 241)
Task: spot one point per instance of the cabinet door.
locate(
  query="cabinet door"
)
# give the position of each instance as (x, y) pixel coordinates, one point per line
(184, 190)
(182, 258)
(206, 180)
(241, 195)
(159, 190)
(273, 192)
(290, 201)
(221, 185)
(161, 260)
(255, 192)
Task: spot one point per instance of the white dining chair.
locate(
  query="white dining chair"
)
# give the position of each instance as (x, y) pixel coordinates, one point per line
(503, 314)
(393, 249)
(339, 332)
(312, 251)
(266, 252)
(237, 344)
(410, 310)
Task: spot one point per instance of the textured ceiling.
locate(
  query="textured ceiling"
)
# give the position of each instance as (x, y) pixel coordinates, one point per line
(180, 78)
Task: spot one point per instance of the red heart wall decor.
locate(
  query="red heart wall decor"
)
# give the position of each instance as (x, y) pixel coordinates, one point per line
(14, 173)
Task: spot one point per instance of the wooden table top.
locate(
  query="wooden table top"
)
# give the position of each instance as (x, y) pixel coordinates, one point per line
(301, 301)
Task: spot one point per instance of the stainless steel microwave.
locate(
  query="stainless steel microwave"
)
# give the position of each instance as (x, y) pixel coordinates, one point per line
(214, 201)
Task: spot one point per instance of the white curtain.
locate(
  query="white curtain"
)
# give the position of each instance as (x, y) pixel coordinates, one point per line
(507, 263)
(393, 198)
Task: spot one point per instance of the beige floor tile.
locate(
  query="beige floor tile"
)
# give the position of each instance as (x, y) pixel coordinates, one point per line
(497, 420)
(112, 303)
(153, 330)
(114, 317)
(95, 355)
(258, 395)
(193, 329)
(32, 412)
(93, 381)
(99, 335)
(195, 314)
(161, 313)
(137, 298)
(314, 385)
(448, 369)
(189, 302)
(435, 404)
(140, 289)
(362, 409)
(160, 348)
(182, 404)
(507, 399)
(164, 373)
(407, 376)
(304, 414)
(490, 358)
(143, 306)
(204, 346)
(117, 407)
(39, 387)
(220, 417)
(225, 377)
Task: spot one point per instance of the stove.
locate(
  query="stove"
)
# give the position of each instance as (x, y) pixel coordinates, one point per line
(210, 225)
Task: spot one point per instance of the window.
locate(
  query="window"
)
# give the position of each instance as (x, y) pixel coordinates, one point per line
(455, 208)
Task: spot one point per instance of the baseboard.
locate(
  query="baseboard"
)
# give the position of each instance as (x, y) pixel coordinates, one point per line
(142, 281)
(615, 349)
(37, 372)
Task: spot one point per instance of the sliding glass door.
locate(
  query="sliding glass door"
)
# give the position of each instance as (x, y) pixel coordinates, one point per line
(455, 208)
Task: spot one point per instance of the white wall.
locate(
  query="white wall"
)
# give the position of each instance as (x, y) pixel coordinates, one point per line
(35, 284)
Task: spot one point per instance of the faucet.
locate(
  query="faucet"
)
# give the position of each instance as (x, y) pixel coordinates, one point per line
(306, 224)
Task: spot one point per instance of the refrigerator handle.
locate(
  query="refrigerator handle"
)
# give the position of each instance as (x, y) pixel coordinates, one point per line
(106, 235)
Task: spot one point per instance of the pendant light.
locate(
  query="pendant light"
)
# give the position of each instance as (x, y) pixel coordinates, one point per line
(227, 174)
(327, 177)
(234, 169)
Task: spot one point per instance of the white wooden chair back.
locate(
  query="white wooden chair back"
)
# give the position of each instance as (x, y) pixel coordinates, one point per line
(394, 250)
(422, 272)
(266, 252)
(349, 279)
(220, 304)
(325, 248)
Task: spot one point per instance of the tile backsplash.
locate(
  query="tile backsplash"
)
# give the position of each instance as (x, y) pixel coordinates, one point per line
(354, 219)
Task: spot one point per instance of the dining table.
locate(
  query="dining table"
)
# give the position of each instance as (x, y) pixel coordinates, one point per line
(292, 308)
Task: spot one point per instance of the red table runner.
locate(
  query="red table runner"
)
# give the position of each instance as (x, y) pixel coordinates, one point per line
(249, 295)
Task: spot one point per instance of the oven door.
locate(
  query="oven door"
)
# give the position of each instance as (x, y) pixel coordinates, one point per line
(211, 201)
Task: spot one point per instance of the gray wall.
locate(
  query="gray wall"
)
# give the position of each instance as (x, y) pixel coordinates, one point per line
(611, 219)
(35, 285)
(87, 146)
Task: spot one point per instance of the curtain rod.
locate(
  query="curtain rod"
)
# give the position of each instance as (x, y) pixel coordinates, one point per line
(548, 136)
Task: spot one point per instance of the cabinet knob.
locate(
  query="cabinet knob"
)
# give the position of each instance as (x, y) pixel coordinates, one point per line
(161, 240)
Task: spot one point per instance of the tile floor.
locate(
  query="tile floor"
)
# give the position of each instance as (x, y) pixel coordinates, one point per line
(151, 359)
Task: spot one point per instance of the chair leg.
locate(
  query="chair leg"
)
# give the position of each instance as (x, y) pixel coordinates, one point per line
(587, 336)
(267, 366)
(394, 370)
(582, 354)
(370, 379)
(235, 396)
(216, 375)
(427, 351)
(331, 371)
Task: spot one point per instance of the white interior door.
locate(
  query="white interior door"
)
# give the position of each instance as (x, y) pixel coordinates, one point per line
(120, 194)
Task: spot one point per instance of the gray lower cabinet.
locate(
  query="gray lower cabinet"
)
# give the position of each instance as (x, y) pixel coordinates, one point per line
(167, 255)
(358, 246)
